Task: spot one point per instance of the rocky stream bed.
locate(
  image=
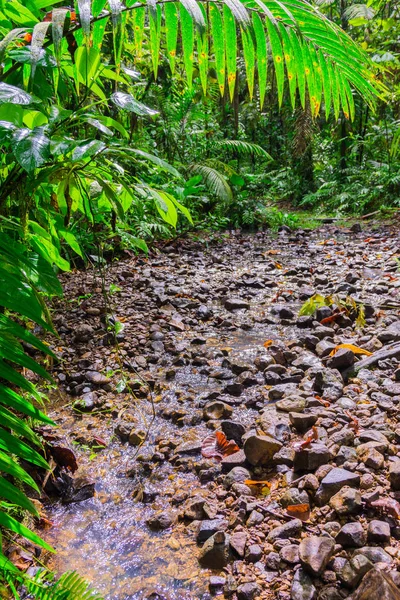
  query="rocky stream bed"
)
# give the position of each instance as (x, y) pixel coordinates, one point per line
(205, 337)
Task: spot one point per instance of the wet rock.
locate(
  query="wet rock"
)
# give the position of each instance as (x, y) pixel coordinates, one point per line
(342, 359)
(376, 584)
(236, 303)
(346, 502)
(302, 587)
(161, 520)
(217, 410)
(315, 553)
(309, 459)
(248, 591)
(286, 531)
(136, 437)
(204, 313)
(237, 475)
(86, 403)
(260, 449)
(122, 430)
(354, 570)
(73, 489)
(378, 532)
(255, 518)
(208, 528)
(215, 553)
(233, 431)
(233, 389)
(352, 535)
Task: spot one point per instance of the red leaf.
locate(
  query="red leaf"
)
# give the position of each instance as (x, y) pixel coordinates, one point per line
(311, 437)
(217, 446)
(64, 457)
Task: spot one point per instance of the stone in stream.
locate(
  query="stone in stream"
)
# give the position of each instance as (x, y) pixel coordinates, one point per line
(236, 475)
(237, 459)
(352, 535)
(233, 431)
(161, 520)
(208, 527)
(342, 359)
(315, 553)
(217, 410)
(302, 587)
(291, 404)
(236, 303)
(260, 449)
(96, 378)
(215, 554)
(376, 585)
(329, 383)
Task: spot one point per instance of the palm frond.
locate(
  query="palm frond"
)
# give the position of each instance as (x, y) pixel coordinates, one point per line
(243, 148)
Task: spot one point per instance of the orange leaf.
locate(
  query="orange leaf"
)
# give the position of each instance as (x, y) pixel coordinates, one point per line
(278, 265)
(300, 511)
(354, 349)
(254, 482)
(268, 343)
(217, 446)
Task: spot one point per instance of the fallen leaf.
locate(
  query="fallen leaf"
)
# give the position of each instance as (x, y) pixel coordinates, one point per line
(268, 343)
(217, 446)
(331, 319)
(64, 457)
(300, 511)
(278, 265)
(352, 347)
(311, 437)
(262, 487)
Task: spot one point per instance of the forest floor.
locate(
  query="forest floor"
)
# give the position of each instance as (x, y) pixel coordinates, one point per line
(204, 337)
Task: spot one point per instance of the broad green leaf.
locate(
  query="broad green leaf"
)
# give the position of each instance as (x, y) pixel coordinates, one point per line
(31, 148)
(13, 95)
(202, 53)
(10, 398)
(38, 36)
(277, 57)
(87, 149)
(309, 72)
(86, 68)
(171, 32)
(217, 35)
(13, 525)
(14, 445)
(84, 8)
(230, 49)
(196, 14)
(18, 13)
(262, 56)
(7, 465)
(71, 240)
(187, 43)
(128, 102)
(14, 495)
(249, 59)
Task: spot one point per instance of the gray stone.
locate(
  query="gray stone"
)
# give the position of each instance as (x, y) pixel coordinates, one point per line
(253, 553)
(233, 431)
(394, 475)
(237, 475)
(376, 585)
(288, 530)
(291, 404)
(161, 520)
(236, 303)
(208, 527)
(302, 421)
(290, 554)
(315, 553)
(309, 459)
(374, 554)
(378, 532)
(260, 449)
(342, 359)
(302, 587)
(346, 502)
(354, 570)
(338, 478)
(238, 542)
(329, 383)
(248, 591)
(352, 535)
(217, 410)
(215, 553)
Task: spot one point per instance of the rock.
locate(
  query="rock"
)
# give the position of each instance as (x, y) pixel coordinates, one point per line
(309, 459)
(237, 475)
(376, 585)
(233, 431)
(315, 553)
(302, 587)
(288, 530)
(338, 478)
(215, 553)
(204, 313)
(254, 553)
(233, 389)
(394, 475)
(161, 520)
(354, 570)
(255, 518)
(346, 502)
(374, 554)
(260, 449)
(378, 532)
(96, 378)
(290, 554)
(236, 303)
(248, 591)
(217, 410)
(342, 359)
(209, 527)
(83, 333)
(237, 459)
(238, 542)
(352, 535)
(370, 456)
(136, 437)
(302, 421)
(291, 404)
(216, 583)
(329, 383)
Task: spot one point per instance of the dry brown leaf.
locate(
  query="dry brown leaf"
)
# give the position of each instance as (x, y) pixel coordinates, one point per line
(300, 511)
